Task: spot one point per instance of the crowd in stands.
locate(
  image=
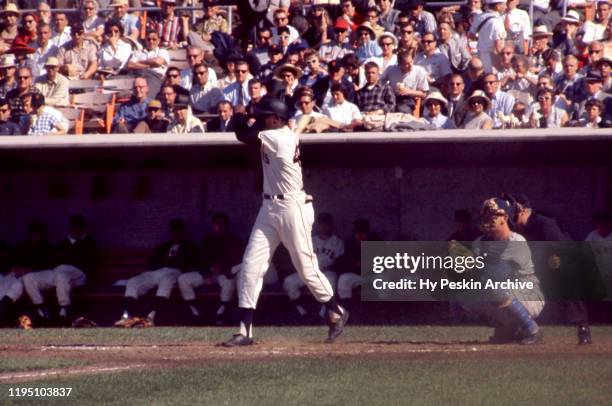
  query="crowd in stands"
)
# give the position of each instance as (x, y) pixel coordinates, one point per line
(340, 65)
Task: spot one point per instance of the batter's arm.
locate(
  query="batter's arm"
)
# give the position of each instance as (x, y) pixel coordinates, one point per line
(244, 133)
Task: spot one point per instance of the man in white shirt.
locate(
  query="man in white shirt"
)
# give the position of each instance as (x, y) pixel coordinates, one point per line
(407, 80)
(152, 58)
(238, 92)
(595, 30)
(44, 49)
(491, 33)
(62, 33)
(281, 19)
(518, 26)
(195, 56)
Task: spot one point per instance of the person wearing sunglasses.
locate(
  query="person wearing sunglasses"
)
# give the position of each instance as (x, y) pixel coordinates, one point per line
(152, 60)
(78, 59)
(338, 46)
(15, 97)
(477, 118)
(154, 122)
(281, 19)
(7, 127)
(546, 114)
(115, 52)
(432, 60)
(237, 93)
(407, 41)
(93, 25)
(203, 95)
(28, 31)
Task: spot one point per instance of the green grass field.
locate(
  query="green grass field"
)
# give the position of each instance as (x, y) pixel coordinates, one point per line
(372, 366)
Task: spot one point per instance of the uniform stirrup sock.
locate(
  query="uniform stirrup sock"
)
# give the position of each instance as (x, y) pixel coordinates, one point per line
(332, 305)
(246, 322)
(193, 308)
(300, 309)
(521, 315)
(221, 309)
(129, 305)
(42, 312)
(63, 311)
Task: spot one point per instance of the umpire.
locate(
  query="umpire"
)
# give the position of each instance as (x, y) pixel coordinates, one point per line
(561, 270)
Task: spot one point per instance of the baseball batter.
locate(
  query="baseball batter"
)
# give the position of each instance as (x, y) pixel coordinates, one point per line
(286, 216)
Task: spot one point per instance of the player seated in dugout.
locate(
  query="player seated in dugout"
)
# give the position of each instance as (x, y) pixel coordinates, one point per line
(74, 259)
(221, 257)
(167, 262)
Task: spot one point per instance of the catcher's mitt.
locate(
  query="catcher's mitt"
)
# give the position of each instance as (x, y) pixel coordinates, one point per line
(83, 322)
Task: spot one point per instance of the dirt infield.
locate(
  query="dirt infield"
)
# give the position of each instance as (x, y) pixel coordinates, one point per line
(100, 359)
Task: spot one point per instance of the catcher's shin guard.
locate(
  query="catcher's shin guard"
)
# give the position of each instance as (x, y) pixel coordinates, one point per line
(519, 315)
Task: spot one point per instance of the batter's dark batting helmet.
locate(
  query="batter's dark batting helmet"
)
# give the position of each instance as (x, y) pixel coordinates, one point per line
(272, 106)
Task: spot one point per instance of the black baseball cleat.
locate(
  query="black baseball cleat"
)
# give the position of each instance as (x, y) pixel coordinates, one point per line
(502, 335)
(238, 340)
(584, 335)
(337, 322)
(532, 339)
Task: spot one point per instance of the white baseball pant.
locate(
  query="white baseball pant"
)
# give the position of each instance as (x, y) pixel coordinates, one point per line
(62, 277)
(11, 286)
(288, 221)
(190, 281)
(163, 278)
(293, 284)
(346, 283)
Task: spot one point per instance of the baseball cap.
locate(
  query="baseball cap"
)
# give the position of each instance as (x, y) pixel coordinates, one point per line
(495, 207)
(594, 76)
(341, 24)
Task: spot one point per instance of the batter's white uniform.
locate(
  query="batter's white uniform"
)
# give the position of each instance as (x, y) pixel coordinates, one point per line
(327, 251)
(286, 216)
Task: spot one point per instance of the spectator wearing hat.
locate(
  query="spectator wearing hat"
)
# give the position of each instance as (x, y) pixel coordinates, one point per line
(152, 61)
(350, 15)
(451, 45)
(7, 127)
(44, 49)
(367, 46)
(435, 63)
(44, 120)
(53, 85)
(375, 97)
(407, 80)
(129, 23)
(540, 44)
(592, 88)
(477, 118)
(281, 19)
(434, 104)
(172, 30)
(388, 15)
(15, 97)
(204, 96)
(595, 30)
(78, 59)
(184, 122)
(388, 43)
(343, 112)
(237, 92)
(491, 33)
(224, 122)
(135, 110)
(11, 15)
(518, 26)
(115, 52)
(92, 24)
(61, 29)
(570, 24)
(154, 122)
(422, 20)
(339, 46)
(546, 114)
(8, 68)
(288, 76)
